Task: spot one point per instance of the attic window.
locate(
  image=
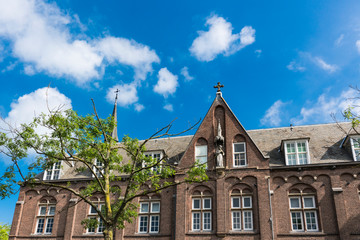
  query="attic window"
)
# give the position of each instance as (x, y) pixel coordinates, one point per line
(297, 152)
(355, 147)
(53, 173)
(156, 156)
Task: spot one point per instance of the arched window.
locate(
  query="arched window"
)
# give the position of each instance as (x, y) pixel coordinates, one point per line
(242, 210)
(201, 211)
(201, 151)
(45, 216)
(303, 210)
(149, 214)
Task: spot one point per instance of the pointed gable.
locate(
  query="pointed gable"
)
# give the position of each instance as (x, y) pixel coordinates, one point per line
(221, 115)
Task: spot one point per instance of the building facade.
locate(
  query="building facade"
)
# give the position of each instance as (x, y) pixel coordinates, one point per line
(299, 182)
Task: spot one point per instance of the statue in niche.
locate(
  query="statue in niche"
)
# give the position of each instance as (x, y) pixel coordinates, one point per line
(219, 144)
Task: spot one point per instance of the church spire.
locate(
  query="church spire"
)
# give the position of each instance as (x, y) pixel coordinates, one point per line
(114, 134)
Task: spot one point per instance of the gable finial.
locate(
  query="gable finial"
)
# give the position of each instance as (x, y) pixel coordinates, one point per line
(114, 134)
(218, 86)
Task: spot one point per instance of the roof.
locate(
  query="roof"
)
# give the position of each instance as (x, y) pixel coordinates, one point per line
(324, 145)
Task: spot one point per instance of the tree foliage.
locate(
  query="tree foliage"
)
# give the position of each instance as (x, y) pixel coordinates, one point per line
(81, 141)
(4, 231)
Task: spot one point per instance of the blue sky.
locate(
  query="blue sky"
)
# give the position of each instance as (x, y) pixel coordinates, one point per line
(281, 62)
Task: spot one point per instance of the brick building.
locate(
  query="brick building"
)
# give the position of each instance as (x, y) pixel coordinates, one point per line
(299, 182)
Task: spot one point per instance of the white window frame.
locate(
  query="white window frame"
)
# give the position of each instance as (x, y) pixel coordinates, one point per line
(197, 154)
(98, 168)
(45, 217)
(303, 210)
(297, 152)
(52, 172)
(152, 154)
(149, 214)
(244, 152)
(201, 211)
(94, 215)
(241, 209)
(356, 157)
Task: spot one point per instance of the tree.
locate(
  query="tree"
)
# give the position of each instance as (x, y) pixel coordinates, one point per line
(87, 144)
(4, 231)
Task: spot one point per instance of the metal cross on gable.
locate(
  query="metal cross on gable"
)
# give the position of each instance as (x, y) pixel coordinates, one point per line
(117, 91)
(218, 86)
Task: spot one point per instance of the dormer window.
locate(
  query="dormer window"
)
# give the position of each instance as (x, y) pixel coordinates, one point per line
(355, 147)
(156, 156)
(54, 172)
(297, 152)
(98, 168)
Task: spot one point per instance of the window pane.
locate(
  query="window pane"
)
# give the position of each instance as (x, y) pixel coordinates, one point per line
(236, 202)
(207, 203)
(196, 221)
(154, 226)
(291, 159)
(157, 156)
(56, 174)
(40, 226)
(207, 221)
(239, 147)
(296, 219)
(202, 160)
(155, 207)
(92, 210)
(236, 220)
(48, 174)
(101, 226)
(42, 211)
(246, 202)
(301, 147)
(57, 165)
(311, 223)
(248, 220)
(49, 225)
(91, 229)
(144, 207)
(196, 203)
(295, 202)
(302, 158)
(201, 150)
(290, 147)
(143, 224)
(51, 210)
(356, 142)
(308, 202)
(357, 154)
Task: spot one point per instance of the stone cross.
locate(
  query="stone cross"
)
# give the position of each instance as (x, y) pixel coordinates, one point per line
(218, 86)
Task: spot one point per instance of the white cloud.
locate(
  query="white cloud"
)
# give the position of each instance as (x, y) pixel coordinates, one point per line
(29, 70)
(296, 67)
(273, 116)
(130, 53)
(169, 107)
(321, 110)
(220, 40)
(26, 107)
(10, 67)
(324, 65)
(185, 72)
(339, 40)
(40, 36)
(167, 83)
(127, 94)
(139, 107)
(258, 52)
(358, 45)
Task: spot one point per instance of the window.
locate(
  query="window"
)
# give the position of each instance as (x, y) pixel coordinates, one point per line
(98, 168)
(201, 213)
(239, 158)
(54, 172)
(296, 152)
(149, 216)
(45, 217)
(201, 154)
(93, 214)
(241, 212)
(355, 147)
(157, 157)
(303, 213)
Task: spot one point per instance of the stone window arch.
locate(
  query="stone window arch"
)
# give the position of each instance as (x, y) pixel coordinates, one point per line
(45, 215)
(242, 210)
(201, 209)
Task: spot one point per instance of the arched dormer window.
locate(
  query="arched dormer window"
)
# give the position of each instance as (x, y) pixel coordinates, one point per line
(303, 209)
(45, 216)
(242, 210)
(201, 211)
(201, 151)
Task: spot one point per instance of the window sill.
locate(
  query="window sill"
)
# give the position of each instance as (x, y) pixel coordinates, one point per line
(302, 233)
(200, 233)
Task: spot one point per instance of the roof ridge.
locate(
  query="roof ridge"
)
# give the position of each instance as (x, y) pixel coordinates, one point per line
(316, 124)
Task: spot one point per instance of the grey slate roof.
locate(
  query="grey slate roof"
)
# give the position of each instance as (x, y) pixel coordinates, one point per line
(324, 145)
